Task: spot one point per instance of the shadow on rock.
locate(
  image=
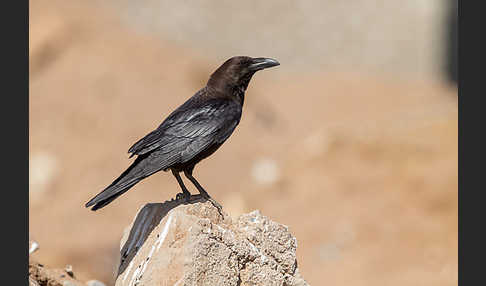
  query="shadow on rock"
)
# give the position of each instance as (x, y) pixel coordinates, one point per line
(147, 219)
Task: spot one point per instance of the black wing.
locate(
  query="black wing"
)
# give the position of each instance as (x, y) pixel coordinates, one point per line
(189, 130)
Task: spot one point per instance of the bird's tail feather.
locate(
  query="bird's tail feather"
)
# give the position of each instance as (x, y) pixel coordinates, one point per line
(98, 204)
(134, 174)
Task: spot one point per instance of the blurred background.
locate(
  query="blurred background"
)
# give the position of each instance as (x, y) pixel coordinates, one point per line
(351, 142)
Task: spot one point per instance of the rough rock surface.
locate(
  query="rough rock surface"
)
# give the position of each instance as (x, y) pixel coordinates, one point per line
(39, 275)
(192, 244)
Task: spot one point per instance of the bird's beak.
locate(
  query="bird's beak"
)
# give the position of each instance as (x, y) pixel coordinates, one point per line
(262, 63)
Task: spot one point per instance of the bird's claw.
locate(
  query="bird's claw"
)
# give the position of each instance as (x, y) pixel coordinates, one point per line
(182, 196)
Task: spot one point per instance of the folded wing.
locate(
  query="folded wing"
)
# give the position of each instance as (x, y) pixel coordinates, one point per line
(189, 131)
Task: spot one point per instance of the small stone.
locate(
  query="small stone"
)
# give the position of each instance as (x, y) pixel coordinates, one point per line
(265, 171)
(43, 168)
(69, 270)
(33, 246)
(95, 283)
(32, 282)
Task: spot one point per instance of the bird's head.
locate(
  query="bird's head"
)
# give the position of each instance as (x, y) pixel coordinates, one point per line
(236, 72)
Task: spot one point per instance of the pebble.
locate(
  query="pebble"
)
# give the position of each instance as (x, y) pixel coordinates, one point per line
(265, 171)
(69, 270)
(95, 283)
(43, 168)
(33, 246)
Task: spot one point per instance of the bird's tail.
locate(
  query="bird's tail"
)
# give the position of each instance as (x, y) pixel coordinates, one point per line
(134, 174)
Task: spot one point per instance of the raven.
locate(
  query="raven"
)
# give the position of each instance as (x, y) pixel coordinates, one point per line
(192, 132)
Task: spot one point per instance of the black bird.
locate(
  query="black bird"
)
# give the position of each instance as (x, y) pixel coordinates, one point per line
(192, 132)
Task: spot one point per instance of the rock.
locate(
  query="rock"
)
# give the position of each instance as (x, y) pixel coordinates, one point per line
(69, 270)
(95, 283)
(265, 171)
(192, 244)
(41, 275)
(32, 282)
(33, 246)
(43, 168)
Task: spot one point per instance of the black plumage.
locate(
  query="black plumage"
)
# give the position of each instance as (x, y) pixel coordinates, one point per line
(190, 133)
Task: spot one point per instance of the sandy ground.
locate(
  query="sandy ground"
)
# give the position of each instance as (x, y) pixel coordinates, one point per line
(363, 169)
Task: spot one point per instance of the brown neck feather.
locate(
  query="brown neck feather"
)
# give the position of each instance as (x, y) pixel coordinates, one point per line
(226, 84)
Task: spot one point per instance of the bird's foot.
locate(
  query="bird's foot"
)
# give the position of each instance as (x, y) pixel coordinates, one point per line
(188, 198)
(183, 196)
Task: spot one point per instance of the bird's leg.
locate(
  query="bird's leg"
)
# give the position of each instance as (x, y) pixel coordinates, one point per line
(185, 193)
(201, 190)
